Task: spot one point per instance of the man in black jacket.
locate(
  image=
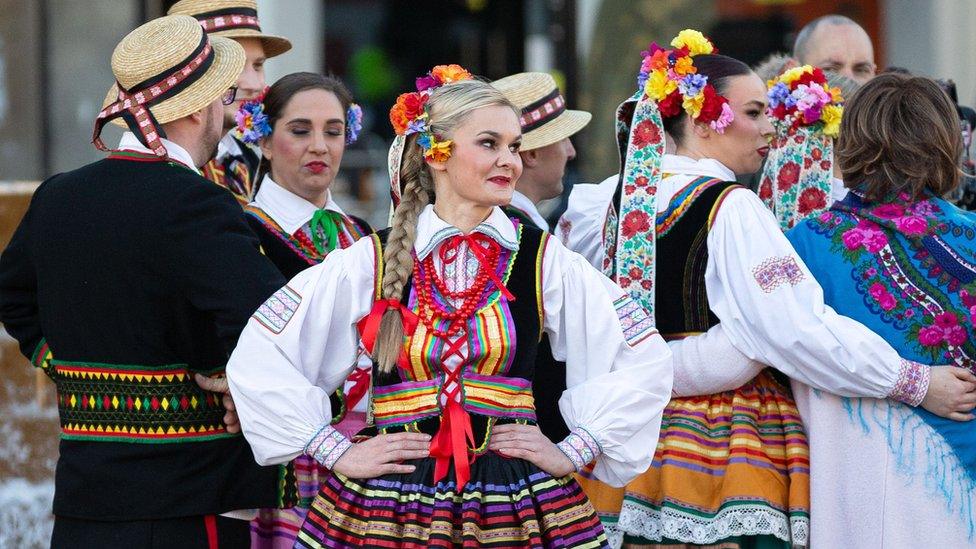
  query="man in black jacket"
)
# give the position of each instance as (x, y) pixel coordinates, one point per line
(115, 283)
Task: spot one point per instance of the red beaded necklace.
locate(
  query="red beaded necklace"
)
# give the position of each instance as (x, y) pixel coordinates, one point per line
(426, 280)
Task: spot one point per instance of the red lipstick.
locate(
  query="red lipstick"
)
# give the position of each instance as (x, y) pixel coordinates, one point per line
(316, 166)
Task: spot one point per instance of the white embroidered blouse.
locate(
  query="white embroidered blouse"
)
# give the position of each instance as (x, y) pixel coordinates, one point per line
(293, 213)
(300, 345)
(771, 309)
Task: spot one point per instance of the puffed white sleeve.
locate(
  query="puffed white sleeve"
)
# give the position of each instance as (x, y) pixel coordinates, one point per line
(618, 368)
(297, 349)
(708, 363)
(773, 311)
(581, 226)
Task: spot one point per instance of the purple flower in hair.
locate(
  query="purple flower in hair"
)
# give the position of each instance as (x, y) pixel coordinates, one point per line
(418, 125)
(692, 84)
(654, 47)
(427, 82)
(252, 123)
(354, 123)
(778, 94)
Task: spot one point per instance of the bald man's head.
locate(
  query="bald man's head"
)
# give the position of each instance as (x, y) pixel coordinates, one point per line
(838, 44)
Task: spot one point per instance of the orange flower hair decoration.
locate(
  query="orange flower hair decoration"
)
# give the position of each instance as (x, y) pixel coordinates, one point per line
(409, 115)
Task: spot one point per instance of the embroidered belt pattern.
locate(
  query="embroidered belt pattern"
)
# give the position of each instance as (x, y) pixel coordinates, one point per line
(142, 404)
(493, 396)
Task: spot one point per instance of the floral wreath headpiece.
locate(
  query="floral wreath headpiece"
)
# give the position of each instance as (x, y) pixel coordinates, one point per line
(252, 122)
(801, 97)
(797, 177)
(409, 115)
(669, 77)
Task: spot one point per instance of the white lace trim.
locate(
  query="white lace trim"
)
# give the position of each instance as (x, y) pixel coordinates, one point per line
(615, 536)
(741, 520)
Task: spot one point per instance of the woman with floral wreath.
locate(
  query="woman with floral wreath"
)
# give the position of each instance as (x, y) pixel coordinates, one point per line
(303, 123)
(799, 178)
(451, 303)
(731, 468)
(896, 256)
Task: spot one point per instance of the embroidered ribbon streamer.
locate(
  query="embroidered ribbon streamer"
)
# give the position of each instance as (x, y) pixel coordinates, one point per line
(370, 325)
(481, 253)
(451, 442)
(797, 176)
(133, 104)
(632, 254)
(324, 227)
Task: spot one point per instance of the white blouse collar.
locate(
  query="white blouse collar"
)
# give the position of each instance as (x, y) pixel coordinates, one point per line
(432, 230)
(524, 204)
(130, 142)
(288, 210)
(675, 164)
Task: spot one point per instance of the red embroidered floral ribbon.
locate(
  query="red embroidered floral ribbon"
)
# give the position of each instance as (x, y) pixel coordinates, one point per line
(133, 104)
(370, 325)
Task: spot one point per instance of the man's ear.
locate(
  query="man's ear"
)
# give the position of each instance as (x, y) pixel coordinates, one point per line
(198, 116)
(530, 159)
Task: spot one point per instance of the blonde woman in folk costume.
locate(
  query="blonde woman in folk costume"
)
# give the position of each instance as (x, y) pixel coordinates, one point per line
(732, 464)
(451, 302)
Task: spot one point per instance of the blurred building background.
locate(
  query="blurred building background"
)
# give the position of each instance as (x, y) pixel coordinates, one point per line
(54, 71)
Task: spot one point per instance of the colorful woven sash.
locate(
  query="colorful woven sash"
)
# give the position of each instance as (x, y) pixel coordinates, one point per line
(492, 396)
(141, 404)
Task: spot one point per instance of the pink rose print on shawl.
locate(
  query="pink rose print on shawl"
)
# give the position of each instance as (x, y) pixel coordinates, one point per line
(881, 294)
(912, 225)
(945, 328)
(969, 300)
(867, 234)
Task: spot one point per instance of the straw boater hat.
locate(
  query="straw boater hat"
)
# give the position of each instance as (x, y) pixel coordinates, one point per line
(164, 70)
(231, 19)
(545, 119)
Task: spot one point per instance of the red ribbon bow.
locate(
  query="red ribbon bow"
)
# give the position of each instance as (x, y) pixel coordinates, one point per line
(482, 246)
(369, 326)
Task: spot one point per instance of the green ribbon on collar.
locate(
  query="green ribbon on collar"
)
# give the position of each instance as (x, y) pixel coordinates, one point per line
(324, 227)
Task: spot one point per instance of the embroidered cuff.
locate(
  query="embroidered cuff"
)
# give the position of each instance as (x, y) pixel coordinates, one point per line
(912, 384)
(327, 446)
(580, 447)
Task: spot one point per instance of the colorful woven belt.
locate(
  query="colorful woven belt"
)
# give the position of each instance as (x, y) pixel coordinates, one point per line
(492, 396)
(142, 404)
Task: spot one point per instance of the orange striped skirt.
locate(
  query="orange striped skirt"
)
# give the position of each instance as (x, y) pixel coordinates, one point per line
(727, 465)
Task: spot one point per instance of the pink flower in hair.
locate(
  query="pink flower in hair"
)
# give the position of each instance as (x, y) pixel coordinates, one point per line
(724, 119)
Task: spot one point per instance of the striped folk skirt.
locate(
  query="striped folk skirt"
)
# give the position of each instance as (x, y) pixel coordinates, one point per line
(506, 503)
(731, 469)
(278, 528)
